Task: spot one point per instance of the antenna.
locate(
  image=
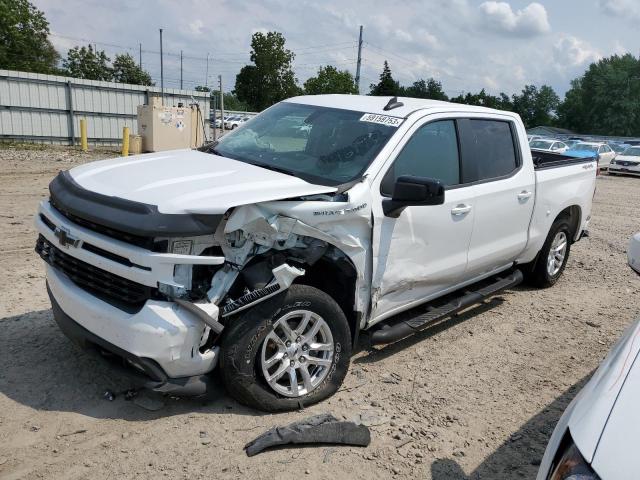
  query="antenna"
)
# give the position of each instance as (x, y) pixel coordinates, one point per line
(393, 103)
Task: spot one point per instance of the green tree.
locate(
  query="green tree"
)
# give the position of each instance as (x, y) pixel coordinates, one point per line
(431, 89)
(606, 99)
(270, 78)
(24, 38)
(202, 88)
(483, 99)
(85, 62)
(536, 106)
(126, 70)
(330, 80)
(386, 86)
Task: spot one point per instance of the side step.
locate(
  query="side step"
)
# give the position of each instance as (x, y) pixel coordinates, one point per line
(404, 328)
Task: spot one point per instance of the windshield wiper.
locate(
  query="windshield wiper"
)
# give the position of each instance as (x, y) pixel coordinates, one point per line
(273, 168)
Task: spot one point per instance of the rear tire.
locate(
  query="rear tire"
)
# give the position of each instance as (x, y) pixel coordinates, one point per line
(552, 258)
(256, 345)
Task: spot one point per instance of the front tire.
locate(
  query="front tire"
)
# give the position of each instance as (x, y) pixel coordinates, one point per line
(287, 352)
(553, 256)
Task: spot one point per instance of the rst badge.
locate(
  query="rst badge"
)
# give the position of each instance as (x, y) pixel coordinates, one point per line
(64, 237)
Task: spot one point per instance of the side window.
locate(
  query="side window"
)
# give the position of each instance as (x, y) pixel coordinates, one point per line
(488, 149)
(602, 149)
(431, 152)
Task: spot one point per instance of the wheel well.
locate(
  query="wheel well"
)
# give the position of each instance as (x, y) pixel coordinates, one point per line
(337, 278)
(572, 214)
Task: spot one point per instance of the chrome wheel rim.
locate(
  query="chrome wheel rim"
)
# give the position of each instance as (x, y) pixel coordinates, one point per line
(297, 354)
(557, 253)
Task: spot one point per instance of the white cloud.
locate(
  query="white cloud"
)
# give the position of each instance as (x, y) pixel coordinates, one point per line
(629, 9)
(530, 21)
(571, 51)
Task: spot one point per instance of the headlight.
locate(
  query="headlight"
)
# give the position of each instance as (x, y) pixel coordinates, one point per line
(572, 466)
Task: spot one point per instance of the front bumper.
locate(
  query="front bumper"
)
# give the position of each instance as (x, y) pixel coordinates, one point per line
(627, 170)
(161, 341)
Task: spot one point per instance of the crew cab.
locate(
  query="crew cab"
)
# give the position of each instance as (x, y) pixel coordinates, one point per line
(267, 253)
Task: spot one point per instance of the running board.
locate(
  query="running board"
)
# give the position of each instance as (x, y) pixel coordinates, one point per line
(404, 328)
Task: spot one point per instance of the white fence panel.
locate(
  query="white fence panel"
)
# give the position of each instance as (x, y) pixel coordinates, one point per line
(48, 108)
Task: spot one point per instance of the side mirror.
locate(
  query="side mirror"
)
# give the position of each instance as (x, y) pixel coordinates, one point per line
(413, 191)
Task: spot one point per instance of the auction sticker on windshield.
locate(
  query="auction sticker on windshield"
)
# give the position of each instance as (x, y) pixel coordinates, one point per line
(381, 119)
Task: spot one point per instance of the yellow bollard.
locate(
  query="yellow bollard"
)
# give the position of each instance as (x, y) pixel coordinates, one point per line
(83, 135)
(125, 141)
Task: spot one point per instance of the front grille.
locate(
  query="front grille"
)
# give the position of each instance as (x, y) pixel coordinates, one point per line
(120, 292)
(144, 242)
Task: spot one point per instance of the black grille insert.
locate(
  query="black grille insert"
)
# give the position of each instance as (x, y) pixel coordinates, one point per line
(120, 292)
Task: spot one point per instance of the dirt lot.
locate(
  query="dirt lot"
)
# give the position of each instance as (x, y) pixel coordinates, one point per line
(475, 397)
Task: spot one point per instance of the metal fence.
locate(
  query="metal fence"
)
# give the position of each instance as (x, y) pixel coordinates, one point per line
(48, 108)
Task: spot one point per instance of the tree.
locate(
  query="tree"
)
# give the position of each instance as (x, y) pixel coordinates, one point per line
(483, 99)
(431, 89)
(202, 88)
(606, 99)
(270, 78)
(24, 38)
(126, 70)
(84, 62)
(387, 86)
(536, 107)
(330, 80)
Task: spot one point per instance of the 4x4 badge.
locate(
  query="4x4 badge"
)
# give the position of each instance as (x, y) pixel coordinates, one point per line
(64, 238)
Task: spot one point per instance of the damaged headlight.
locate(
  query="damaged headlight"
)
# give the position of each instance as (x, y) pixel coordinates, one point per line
(572, 466)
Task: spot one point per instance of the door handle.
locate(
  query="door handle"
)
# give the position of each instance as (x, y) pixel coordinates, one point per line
(461, 209)
(523, 195)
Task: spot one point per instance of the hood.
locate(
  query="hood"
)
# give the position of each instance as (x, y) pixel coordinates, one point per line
(596, 401)
(189, 181)
(628, 158)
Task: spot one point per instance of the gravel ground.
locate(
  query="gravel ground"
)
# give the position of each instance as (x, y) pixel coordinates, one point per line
(474, 397)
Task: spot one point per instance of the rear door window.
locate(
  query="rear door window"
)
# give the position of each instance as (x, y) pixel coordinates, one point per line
(488, 149)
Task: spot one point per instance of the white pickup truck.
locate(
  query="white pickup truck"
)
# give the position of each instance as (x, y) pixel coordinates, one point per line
(267, 253)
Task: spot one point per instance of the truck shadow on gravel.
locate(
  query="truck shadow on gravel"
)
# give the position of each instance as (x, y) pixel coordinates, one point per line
(43, 370)
(520, 455)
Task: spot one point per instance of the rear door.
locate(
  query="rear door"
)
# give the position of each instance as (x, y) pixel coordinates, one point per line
(504, 192)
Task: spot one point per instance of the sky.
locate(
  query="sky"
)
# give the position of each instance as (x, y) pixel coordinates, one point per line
(466, 44)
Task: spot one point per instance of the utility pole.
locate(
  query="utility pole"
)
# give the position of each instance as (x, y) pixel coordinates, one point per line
(206, 76)
(180, 69)
(221, 103)
(140, 57)
(161, 70)
(359, 61)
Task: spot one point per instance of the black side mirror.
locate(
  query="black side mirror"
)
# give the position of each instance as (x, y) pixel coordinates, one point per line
(409, 191)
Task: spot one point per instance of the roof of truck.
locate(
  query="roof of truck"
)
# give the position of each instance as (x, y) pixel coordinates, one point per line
(370, 104)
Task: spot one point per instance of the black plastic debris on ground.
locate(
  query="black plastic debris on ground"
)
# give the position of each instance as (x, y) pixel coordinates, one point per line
(318, 429)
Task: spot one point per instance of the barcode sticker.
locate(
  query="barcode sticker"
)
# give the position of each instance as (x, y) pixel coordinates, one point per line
(381, 119)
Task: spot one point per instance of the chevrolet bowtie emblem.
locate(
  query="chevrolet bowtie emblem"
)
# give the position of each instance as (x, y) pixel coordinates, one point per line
(64, 238)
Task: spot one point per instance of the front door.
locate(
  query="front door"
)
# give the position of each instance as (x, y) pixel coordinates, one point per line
(424, 251)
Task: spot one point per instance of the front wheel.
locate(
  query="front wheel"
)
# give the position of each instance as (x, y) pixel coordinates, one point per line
(553, 256)
(287, 352)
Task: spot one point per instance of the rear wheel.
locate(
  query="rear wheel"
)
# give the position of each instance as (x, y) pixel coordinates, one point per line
(287, 352)
(553, 256)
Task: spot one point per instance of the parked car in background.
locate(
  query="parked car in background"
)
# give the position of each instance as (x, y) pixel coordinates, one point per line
(597, 436)
(601, 151)
(548, 145)
(530, 138)
(219, 121)
(627, 162)
(571, 143)
(618, 147)
(633, 252)
(235, 122)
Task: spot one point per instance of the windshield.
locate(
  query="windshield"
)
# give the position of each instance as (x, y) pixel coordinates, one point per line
(326, 146)
(583, 147)
(540, 144)
(632, 152)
